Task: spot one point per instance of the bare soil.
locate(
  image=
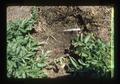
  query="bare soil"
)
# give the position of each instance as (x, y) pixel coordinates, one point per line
(18, 12)
(54, 19)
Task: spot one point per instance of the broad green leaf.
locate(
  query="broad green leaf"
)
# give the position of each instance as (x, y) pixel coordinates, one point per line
(34, 49)
(87, 38)
(21, 54)
(84, 54)
(74, 62)
(17, 50)
(94, 62)
(41, 65)
(77, 52)
(14, 47)
(24, 22)
(23, 60)
(23, 30)
(23, 75)
(30, 54)
(75, 44)
(34, 44)
(82, 63)
(81, 38)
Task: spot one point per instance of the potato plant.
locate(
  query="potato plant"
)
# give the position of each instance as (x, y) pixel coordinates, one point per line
(93, 57)
(22, 48)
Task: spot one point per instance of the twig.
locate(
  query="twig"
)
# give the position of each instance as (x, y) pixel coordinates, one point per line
(70, 30)
(53, 37)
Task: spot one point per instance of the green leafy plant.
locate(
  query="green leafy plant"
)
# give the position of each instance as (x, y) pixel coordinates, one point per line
(22, 48)
(94, 57)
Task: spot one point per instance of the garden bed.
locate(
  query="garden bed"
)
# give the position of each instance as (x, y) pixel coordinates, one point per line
(49, 29)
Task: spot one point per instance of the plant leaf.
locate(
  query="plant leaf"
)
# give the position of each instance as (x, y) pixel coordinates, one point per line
(87, 38)
(74, 62)
(41, 65)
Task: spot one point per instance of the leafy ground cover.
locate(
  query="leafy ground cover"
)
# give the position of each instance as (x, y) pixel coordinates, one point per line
(22, 48)
(90, 57)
